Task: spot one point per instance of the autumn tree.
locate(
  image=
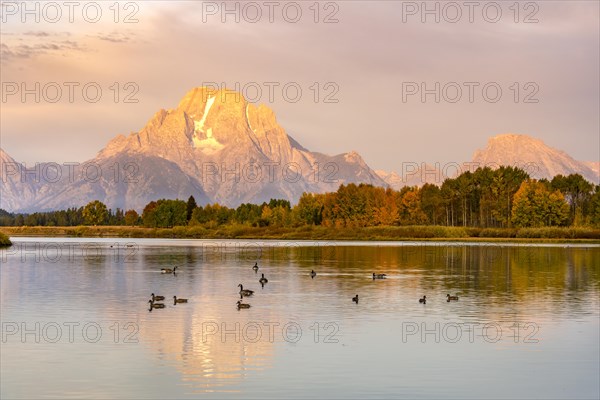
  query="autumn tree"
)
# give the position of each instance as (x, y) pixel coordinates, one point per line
(95, 213)
(536, 206)
(131, 217)
(410, 211)
(331, 213)
(149, 215)
(309, 209)
(383, 206)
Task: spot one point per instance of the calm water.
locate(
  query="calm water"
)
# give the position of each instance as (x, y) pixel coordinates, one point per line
(75, 320)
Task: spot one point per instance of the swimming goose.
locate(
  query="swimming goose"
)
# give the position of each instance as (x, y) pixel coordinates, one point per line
(242, 305)
(451, 298)
(379, 276)
(423, 300)
(157, 298)
(263, 280)
(168, 270)
(155, 305)
(176, 300)
(245, 292)
(255, 268)
(313, 274)
(355, 299)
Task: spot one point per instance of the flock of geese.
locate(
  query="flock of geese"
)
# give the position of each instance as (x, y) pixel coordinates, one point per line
(448, 299)
(247, 293)
(153, 300)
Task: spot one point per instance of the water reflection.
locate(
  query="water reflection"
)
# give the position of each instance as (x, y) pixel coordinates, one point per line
(299, 329)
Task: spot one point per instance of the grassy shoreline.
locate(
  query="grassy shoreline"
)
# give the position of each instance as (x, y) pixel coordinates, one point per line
(395, 233)
(4, 240)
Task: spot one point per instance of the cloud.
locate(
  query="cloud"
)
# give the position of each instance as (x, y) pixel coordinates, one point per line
(30, 44)
(369, 54)
(5, 52)
(20, 51)
(37, 33)
(114, 37)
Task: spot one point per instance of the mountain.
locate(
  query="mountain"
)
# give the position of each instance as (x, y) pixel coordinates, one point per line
(237, 151)
(533, 155)
(526, 152)
(125, 181)
(594, 166)
(413, 174)
(15, 188)
(214, 145)
(220, 148)
(122, 181)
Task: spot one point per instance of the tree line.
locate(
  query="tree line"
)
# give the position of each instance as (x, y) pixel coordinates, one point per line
(502, 198)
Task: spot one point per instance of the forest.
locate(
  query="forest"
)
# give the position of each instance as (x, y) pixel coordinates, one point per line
(502, 198)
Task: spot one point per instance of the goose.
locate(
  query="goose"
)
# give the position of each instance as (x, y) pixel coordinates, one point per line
(313, 274)
(168, 270)
(423, 300)
(263, 280)
(379, 276)
(157, 298)
(242, 305)
(451, 298)
(255, 268)
(176, 300)
(245, 292)
(355, 299)
(155, 305)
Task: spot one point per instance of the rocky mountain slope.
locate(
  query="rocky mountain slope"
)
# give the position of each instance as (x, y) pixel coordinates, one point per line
(213, 145)
(526, 152)
(220, 148)
(533, 155)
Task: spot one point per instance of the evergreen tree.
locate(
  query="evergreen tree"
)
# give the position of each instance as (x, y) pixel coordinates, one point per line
(191, 205)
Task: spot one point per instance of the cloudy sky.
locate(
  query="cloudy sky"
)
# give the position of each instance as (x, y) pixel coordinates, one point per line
(361, 67)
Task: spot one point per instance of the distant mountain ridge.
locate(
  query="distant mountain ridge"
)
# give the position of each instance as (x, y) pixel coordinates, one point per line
(220, 148)
(540, 160)
(532, 155)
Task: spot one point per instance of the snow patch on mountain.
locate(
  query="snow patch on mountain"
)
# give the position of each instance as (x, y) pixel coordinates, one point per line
(200, 125)
(248, 118)
(210, 145)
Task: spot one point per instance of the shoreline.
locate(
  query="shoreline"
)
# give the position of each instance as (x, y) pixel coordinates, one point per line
(4, 241)
(416, 234)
